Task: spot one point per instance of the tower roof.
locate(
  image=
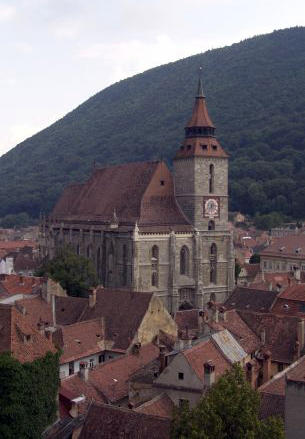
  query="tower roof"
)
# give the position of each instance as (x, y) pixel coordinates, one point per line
(200, 132)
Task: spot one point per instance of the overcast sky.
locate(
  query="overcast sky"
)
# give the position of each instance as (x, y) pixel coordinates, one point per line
(54, 54)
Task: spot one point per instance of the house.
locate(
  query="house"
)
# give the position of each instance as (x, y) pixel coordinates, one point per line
(247, 274)
(284, 254)
(105, 422)
(161, 405)
(14, 287)
(291, 301)
(191, 371)
(19, 337)
(251, 299)
(108, 382)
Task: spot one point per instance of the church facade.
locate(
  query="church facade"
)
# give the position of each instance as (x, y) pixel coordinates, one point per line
(148, 230)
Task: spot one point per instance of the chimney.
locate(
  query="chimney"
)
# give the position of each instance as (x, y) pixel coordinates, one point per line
(21, 280)
(75, 403)
(223, 314)
(136, 348)
(263, 336)
(162, 359)
(84, 371)
(209, 374)
(250, 375)
(53, 310)
(300, 334)
(92, 297)
(266, 366)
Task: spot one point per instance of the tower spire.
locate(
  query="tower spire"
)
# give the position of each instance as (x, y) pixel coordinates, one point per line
(200, 93)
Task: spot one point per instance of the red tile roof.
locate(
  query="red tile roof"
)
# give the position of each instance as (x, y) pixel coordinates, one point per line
(280, 333)
(291, 245)
(161, 406)
(251, 299)
(82, 339)
(204, 352)
(37, 311)
(108, 422)
(11, 284)
(294, 292)
(187, 319)
(20, 338)
(14, 245)
(135, 192)
(111, 379)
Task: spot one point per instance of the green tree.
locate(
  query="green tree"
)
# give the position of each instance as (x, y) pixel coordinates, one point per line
(28, 396)
(228, 411)
(255, 259)
(237, 269)
(76, 274)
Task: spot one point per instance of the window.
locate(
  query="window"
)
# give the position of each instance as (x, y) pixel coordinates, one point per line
(155, 266)
(124, 257)
(204, 147)
(214, 147)
(184, 260)
(213, 264)
(211, 225)
(183, 402)
(211, 179)
(91, 363)
(180, 376)
(189, 147)
(101, 358)
(162, 182)
(71, 368)
(88, 251)
(77, 249)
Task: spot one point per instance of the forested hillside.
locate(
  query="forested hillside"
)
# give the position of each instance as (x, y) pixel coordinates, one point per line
(256, 97)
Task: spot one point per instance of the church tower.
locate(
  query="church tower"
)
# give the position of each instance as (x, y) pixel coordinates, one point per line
(201, 171)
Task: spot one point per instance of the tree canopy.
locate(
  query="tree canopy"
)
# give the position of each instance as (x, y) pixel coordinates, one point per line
(255, 96)
(28, 396)
(75, 273)
(230, 410)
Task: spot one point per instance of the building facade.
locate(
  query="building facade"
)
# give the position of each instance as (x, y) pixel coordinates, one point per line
(148, 230)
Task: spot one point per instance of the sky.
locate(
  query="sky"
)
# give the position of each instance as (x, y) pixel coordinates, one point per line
(55, 54)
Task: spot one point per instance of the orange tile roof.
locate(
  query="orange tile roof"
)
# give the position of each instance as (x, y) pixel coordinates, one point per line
(82, 339)
(161, 405)
(11, 284)
(37, 311)
(14, 245)
(289, 246)
(111, 379)
(204, 352)
(294, 292)
(20, 338)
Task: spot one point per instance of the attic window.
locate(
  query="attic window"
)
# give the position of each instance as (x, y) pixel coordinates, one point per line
(204, 147)
(214, 147)
(180, 375)
(162, 182)
(77, 341)
(298, 250)
(62, 309)
(189, 147)
(281, 249)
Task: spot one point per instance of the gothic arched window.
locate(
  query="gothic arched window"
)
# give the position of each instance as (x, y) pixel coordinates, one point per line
(78, 249)
(155, 266)
(110, 264)
(88, 251)
(184, 260)
(211, 225)
(213, 264)
(211, 179)
(124, 258)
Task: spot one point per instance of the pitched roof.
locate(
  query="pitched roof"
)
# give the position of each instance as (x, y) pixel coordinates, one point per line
(15, 245)
(37, 311)
(105, 422)
(251, 269)
(19, 337)
(132, 192)
(110, 380)
(123, 311)
(294, 292)
(81, 340)
(280, 333)
(203, 352)
(244, 335)
(201, 147)
(250, 299)
(187, 319)
(273, 391)
(161, 405)
(69, 309)
(291, 245)
(11, 284)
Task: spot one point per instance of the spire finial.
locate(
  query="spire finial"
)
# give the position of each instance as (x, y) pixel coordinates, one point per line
(200, 93)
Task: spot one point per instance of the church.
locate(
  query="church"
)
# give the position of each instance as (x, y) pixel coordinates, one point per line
(146, 229)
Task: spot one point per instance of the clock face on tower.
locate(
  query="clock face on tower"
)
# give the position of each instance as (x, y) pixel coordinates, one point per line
(210, 207)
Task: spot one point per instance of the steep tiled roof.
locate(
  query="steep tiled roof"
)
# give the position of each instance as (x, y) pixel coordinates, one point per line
(37, 311)
(11, 284)
(15, 245)
(142, 192)
(81, 340)
(69, 309)
(247, 339)
(291, 245)
(19, 337)
(108, 422)
(187, 319)
(111, 379)
(294, 292)
(252, 269)
(267, 281)
(204, 352)
(161, 406)
(123, 311)
(280, 333)
(250, 299)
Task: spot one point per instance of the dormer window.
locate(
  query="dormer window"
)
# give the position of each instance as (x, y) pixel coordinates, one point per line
(214, 147)
(298, 250)
(189, 147)
(204, 147)
(162, 182)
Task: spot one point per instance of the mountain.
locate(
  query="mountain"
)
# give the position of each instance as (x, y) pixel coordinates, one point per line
(256, 98)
